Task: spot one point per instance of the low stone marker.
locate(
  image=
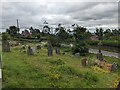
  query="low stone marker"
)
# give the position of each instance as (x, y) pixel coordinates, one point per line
(113, 67)
(30, 51)
(57, 50)
(77, 54)
(50, 49)
(5, 46)
(84, 62)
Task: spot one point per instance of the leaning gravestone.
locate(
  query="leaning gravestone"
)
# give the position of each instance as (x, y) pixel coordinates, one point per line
(5, 46)
(30, 51)
(50, 49)
(57, 50)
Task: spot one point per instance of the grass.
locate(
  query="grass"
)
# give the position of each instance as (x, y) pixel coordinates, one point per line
(59, 71)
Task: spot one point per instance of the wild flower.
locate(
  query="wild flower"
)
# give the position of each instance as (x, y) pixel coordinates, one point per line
(99, 70)
(116, 82)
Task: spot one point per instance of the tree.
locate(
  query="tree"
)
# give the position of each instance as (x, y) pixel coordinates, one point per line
(80, 45)
(99, 33)
(35, 32)
(61, 33)
(12, 31)
(46, 28)
(107, 33)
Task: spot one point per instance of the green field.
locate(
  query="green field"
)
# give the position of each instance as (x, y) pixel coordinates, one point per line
(60, 71)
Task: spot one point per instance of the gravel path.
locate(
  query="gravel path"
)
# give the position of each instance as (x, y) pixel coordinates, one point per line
(105, 53)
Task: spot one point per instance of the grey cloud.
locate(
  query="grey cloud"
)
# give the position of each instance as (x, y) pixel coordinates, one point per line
(88, 14)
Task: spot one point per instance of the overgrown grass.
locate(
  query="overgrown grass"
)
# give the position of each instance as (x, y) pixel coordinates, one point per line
(59, 71)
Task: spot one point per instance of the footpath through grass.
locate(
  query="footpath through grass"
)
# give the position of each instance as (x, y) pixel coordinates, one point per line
(61, 71)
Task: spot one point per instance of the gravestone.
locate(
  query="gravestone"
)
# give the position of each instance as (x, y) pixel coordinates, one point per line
(5, 46)
(84, 62)
(113, 67)
(50, 49)
(57, 50)
(33, 49)
(30, 51)
(77, 54)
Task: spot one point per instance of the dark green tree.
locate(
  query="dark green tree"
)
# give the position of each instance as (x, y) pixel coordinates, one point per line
(13, 31)
(35, 32)
(61, 33)
(46, 28)
(80, 44)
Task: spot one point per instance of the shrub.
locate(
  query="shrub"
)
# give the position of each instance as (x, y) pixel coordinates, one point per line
(111, 43)
(105, 43)
(83, 50)
(5, 36)
(55, 77)
(91, 42)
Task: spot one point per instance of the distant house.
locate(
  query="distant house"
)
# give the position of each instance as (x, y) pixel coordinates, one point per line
(25, 33)
(94, 37)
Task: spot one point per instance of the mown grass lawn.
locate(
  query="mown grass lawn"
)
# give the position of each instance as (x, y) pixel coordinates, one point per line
(60, 71)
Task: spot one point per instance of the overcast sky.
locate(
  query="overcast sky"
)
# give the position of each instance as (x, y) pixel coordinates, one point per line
(87, 14)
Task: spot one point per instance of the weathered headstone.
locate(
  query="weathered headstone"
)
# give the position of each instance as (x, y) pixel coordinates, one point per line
(33, 49)
(84, 62)
(113, 67)
(30, 51)
(50, 49)
(57, 50)
(5, 46)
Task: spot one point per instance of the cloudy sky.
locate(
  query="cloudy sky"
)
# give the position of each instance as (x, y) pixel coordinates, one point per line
(87, 14)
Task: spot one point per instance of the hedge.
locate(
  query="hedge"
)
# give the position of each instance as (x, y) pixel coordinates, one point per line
(105, 43)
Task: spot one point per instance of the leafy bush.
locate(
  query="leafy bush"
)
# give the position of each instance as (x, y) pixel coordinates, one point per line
(91, 42)
(105, 43)
(5, 36)
(55, 77)
(111, 43)
(83, 50)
